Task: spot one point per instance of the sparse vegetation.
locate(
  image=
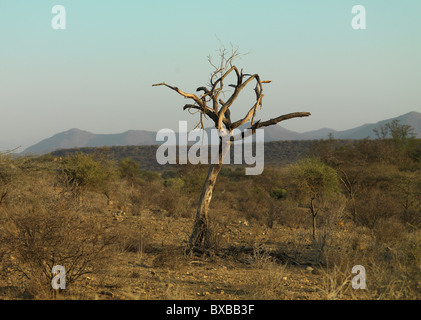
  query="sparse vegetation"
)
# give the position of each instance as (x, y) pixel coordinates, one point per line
(126, 239)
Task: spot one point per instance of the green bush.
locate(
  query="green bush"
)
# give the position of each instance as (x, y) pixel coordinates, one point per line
(278, 193)
(129, 170)
(82, 170)
(177, 183)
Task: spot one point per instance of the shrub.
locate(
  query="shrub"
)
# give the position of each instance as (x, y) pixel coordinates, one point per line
(313, 182)
(175, 183)
(174, 201)
(82, 170)
(129, 170)
(254, 203)
(37, 235)
(374, 205)
(278, 193)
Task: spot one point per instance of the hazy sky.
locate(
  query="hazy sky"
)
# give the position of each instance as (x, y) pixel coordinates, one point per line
(97, 75)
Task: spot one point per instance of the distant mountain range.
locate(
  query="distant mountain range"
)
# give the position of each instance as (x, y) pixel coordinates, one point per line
(76, 138)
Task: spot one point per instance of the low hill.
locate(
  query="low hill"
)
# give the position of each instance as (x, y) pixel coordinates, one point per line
(76, 138)
(277, 153)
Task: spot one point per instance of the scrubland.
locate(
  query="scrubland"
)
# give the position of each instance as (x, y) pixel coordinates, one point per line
(121, 232)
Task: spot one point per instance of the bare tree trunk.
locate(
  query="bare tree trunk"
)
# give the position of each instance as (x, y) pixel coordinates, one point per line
(313, 214)
(201, 234)
(314, 227)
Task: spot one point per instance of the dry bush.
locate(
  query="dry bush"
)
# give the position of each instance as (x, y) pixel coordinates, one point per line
(122, 195)
(175, 203)
(41, 227)
(297, 218)
(151, 192)
(412, 217)
(254, 203)
(132, 236)
(268, 282)
(138, 202)
(261, 256)
(389, 230)
(138, 197)
(35, 241)
(217, 227)
(252, 210)
(393, 267)
(333, 211)
(374, 205)
(225, 198)
(134, 198)
(336, 283)
(338, 252)
(277, 211)
(336, 273)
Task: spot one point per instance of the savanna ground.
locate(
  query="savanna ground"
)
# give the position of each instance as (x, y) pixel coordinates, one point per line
(121, 233)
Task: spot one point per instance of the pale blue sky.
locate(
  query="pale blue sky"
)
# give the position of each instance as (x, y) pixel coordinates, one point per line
(97, 75)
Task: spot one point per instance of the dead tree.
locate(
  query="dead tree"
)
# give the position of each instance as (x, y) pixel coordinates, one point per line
(210, 105)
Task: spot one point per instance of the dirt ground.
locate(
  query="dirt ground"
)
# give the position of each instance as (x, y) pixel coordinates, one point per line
(250, 261)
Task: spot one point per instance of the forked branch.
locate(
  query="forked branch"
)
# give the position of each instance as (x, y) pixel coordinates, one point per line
(219, 111)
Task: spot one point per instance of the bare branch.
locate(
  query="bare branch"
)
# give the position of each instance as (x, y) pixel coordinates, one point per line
(184, 94)
(273, 121)
(270, 122)
(240, 86)
(251, 113)
(203, 89)
(204, 110)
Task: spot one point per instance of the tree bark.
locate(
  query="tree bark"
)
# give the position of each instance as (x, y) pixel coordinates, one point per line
(313, 214)
(314, 227)
(201, 235)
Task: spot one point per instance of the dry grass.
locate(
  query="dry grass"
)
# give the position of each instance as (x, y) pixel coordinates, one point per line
(128, 243)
